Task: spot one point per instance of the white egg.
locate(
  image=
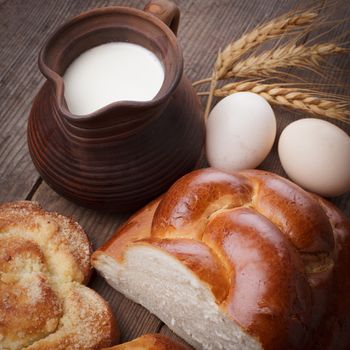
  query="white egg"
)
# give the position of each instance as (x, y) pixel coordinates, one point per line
(241, 130)
(316, 155)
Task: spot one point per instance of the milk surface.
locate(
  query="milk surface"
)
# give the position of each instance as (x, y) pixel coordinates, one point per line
(111, 72)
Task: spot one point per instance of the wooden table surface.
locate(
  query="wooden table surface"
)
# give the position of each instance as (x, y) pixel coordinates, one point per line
(205, 26)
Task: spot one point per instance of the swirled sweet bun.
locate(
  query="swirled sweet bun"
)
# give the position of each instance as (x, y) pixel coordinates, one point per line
(44, 263)
(246, 260)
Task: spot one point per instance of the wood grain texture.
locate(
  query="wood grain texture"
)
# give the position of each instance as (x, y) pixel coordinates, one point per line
(205, 27)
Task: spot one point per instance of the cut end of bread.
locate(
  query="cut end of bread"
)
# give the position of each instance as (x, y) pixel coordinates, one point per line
(163, 285)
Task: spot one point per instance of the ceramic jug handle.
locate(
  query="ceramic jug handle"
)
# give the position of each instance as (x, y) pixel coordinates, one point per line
(166, 11)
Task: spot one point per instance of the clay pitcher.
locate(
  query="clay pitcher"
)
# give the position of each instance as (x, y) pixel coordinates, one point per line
(128, 152)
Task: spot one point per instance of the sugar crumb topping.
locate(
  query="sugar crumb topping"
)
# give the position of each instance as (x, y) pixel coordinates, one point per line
(43, 259)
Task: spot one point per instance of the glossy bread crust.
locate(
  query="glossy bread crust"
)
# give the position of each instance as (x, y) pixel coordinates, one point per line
(273, 255)
(151, 342)
(44, 261)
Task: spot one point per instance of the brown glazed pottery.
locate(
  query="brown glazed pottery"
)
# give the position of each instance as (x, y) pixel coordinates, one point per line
(126, 153)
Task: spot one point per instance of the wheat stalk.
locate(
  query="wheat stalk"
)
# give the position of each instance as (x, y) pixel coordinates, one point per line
(304, 100)
(288, 22)
(213, 82)
(264, 65)
(289, 55)
(276, 27)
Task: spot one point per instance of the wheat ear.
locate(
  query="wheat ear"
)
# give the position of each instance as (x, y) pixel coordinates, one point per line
(289, 55)
(304, 100)
(272, 29)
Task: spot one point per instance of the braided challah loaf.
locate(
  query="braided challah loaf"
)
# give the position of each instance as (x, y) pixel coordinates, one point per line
(44, 259)
(150, 342)
(241, 261)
